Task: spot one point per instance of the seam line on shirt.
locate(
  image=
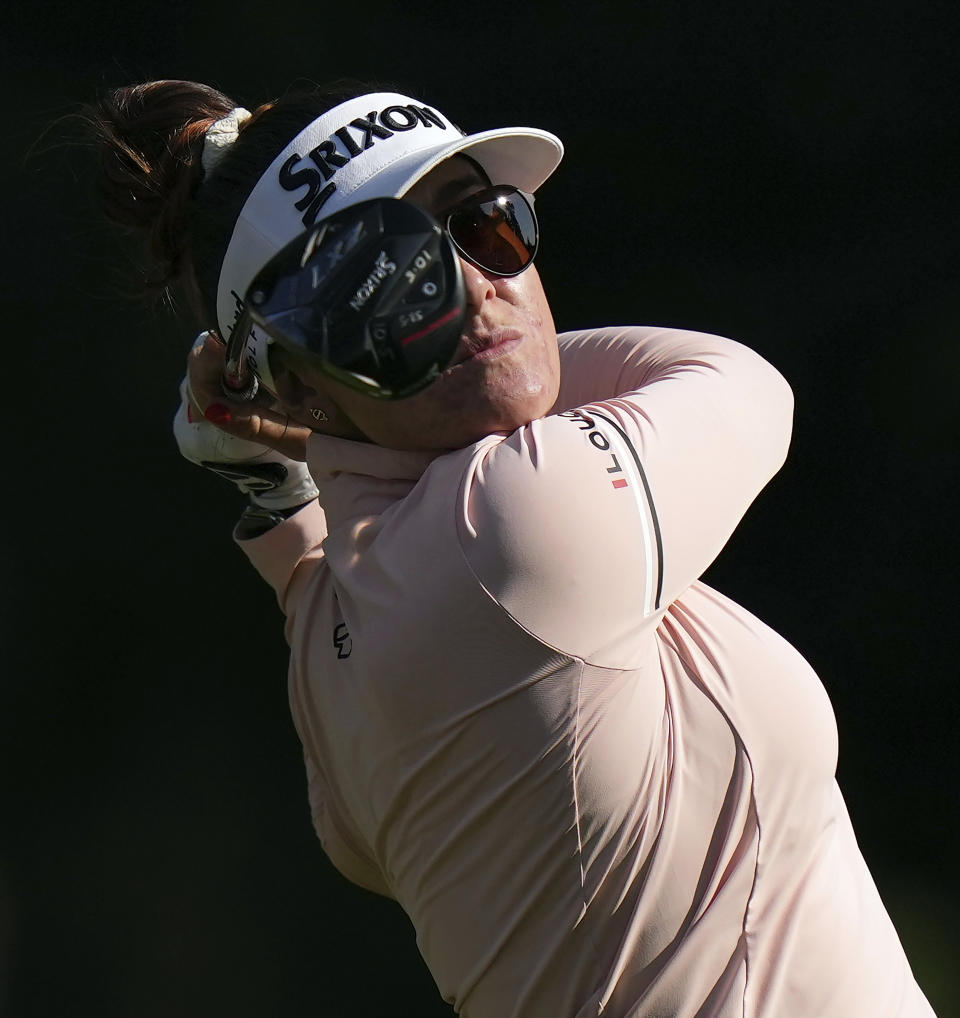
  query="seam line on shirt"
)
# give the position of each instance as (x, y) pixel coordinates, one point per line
(576, 796)
(671, 641)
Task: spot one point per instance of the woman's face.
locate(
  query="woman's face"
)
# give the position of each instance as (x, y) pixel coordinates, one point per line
(506, 371)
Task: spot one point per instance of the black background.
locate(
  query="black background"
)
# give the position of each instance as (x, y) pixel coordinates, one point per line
(784, 174)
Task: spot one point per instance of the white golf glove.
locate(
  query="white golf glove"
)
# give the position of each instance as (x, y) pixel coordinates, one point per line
(270, 479)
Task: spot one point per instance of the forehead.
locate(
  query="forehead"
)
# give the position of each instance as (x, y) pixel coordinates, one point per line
(454, 178)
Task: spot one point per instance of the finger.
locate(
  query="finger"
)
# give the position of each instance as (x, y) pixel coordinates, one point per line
(205, 377)
(266, 427)
(204, 368)
(252, 421)
(204, 374)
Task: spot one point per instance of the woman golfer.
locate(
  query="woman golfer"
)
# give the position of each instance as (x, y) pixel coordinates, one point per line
(596, 785)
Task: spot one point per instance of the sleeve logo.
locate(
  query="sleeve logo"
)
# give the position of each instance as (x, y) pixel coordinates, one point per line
(599, 441)
(626, 472)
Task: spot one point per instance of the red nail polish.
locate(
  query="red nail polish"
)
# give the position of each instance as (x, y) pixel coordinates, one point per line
(217, 413)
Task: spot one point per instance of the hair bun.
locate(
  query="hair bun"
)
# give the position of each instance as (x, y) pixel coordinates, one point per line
(151, 142)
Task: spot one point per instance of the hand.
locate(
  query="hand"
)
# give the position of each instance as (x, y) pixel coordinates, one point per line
(253, 422)
(272, 479)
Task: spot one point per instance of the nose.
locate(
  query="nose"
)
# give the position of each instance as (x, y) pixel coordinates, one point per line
(477, 286)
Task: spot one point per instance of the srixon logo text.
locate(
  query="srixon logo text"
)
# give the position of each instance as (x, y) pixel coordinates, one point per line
(344, 144)
(600, 442)
(382, 268)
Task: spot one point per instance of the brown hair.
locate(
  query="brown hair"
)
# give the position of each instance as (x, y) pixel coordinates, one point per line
(149, 139)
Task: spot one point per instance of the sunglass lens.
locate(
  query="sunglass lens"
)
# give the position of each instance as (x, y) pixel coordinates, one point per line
(496, 230)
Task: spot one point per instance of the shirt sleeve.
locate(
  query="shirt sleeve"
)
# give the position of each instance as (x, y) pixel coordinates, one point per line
(287, 555)
(587, 524)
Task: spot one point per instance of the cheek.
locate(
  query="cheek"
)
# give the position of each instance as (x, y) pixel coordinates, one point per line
(526, 295)
(525, 292)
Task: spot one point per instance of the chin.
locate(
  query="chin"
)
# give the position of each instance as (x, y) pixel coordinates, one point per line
(460, 410)
(454, 431)
(501, 419)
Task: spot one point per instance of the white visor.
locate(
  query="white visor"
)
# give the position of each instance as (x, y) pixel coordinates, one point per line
(374, 146)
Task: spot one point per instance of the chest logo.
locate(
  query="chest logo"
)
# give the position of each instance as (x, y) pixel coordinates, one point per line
(342, 640)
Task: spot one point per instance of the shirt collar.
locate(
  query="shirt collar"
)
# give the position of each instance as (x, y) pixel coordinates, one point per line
(359, 478)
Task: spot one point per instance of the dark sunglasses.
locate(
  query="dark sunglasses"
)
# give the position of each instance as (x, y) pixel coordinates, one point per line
(495, 229)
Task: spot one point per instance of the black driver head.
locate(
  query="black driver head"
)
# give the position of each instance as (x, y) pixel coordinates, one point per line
(374, 293)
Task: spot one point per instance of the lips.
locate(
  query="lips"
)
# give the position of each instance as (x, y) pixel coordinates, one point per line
(478, 342)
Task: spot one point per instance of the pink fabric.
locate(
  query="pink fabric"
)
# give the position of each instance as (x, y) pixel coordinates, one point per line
(594, 784)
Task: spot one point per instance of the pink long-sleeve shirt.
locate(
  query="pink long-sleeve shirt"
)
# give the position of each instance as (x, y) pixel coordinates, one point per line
(596, 785)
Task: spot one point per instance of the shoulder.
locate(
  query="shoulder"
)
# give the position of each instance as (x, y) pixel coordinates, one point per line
(556, 525)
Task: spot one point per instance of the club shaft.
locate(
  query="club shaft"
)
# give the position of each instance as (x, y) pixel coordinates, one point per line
(238, 382)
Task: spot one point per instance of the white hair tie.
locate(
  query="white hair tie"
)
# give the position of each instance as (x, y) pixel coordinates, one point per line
(220, 136)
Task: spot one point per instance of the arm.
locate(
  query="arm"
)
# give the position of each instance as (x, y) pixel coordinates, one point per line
(586, 525)
(283, 525)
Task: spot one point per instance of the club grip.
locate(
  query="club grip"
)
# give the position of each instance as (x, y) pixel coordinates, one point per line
(238, 383)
